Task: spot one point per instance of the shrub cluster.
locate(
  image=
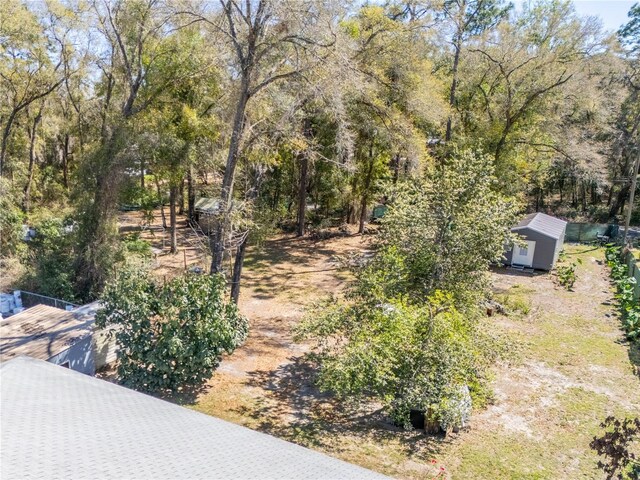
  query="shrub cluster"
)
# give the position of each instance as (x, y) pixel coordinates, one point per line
(625, 285)
(170, 336)
(408, 332)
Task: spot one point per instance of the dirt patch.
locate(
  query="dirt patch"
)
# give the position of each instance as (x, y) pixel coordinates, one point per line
(267, 376)
(192, 247)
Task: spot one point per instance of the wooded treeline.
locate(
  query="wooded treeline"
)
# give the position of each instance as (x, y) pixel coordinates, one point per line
(296, 113)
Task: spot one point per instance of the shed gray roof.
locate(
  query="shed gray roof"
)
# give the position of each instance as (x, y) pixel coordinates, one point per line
(540, 222)
(207, 205)
(57, 423)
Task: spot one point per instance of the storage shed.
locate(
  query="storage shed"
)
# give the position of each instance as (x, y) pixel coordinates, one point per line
(206, 210)
(47, 333)
(543, 236)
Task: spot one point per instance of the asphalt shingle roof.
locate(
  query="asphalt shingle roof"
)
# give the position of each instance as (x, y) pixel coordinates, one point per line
(546, 224)
(57, 423)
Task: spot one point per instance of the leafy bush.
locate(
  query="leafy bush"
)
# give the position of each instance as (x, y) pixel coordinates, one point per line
(50, 257)
(135, 245)
(625, 286)
(170, 337)
(566, 274)
(410, 357)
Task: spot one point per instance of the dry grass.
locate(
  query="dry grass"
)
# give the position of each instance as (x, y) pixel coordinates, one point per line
(574, 371)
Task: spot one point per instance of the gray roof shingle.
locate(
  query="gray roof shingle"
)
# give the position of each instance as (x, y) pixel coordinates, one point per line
(546, 224)
(57, 423)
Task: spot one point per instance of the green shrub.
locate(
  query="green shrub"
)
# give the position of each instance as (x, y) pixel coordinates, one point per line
(49, 259)
(170, 337)
(566, 274)
(136, 246)
(408, 356)
(625, 286)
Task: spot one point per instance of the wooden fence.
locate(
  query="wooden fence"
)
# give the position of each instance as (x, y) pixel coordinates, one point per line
(632, 264)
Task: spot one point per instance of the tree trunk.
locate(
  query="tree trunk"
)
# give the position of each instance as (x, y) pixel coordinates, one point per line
(221, 230)
(173, 194)
(5, 140)
(363, 214)
(396, 168)
(365, 193)
(142, 165)
(97, 229)
(618, 204)
(237, 270)
(191, 194)
(26, 193)
(303, 182)
(65, 162)
(181, 198)
(454, 84)
(164, 219)
(302, 193)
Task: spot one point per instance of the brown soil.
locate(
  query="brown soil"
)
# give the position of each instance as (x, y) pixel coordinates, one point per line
(192, 249)
(265, 381)
(574, 369)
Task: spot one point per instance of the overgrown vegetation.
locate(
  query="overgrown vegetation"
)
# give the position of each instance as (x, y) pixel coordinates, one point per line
(170, 336)
(626, 286)
(145, 103)
(409, 332)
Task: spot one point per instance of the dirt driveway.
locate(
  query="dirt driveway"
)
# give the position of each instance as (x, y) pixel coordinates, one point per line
(280, 279)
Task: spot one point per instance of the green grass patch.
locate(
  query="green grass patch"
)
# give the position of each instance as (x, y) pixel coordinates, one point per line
(516, 300)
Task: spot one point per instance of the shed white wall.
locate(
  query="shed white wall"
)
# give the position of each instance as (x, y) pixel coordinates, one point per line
(79, 355)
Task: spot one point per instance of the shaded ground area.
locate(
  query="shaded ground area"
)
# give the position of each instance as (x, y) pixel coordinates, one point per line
(192, 248)
(574, 370)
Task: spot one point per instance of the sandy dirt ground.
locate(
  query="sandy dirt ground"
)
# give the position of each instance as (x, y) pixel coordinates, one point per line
(192, 248)
(573, 370)
(265, 381)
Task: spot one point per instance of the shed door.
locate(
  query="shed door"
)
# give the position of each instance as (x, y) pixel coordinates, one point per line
(523, 255)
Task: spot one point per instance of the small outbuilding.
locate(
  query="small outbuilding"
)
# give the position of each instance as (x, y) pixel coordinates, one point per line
(543, 237)
(205, 211)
